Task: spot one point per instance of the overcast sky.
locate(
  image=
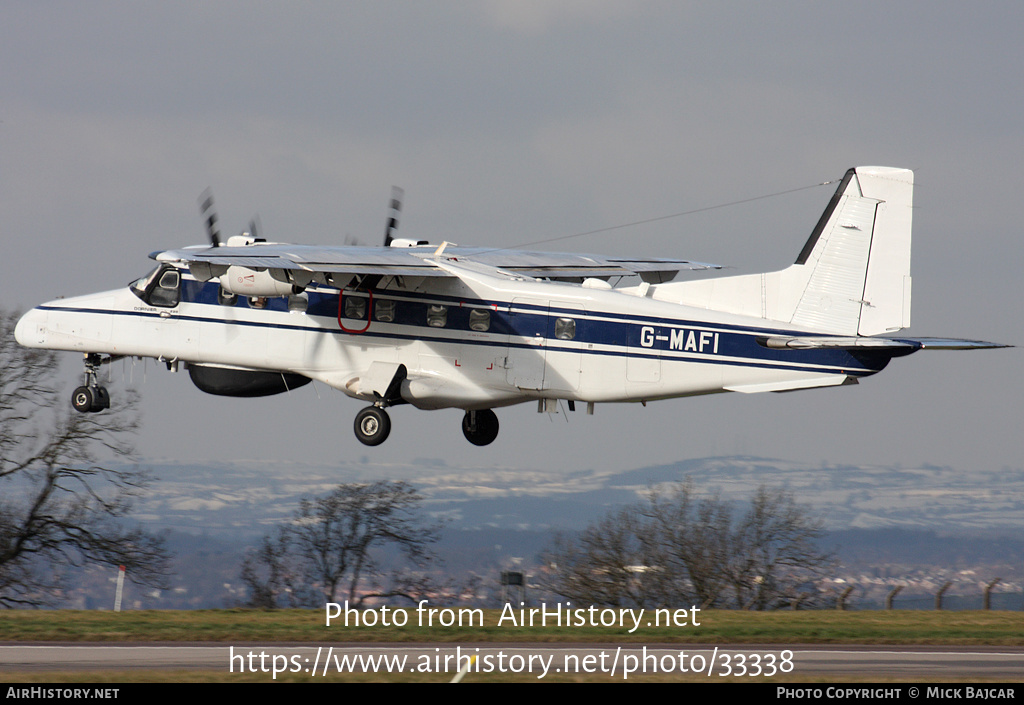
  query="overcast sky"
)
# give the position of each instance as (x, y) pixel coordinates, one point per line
(511, 121)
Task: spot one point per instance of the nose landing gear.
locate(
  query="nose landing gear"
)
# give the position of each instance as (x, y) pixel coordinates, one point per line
(92, 397)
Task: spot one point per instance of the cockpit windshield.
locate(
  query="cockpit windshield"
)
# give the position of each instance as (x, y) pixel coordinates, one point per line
(160, 287)
(139, 285)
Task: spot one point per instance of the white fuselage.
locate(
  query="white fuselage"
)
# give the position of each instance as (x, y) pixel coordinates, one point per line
(471, 344)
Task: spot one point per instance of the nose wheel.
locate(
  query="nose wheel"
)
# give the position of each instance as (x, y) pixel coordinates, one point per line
(92, 397)
(372, 426)
(86, 399)
(480, 427)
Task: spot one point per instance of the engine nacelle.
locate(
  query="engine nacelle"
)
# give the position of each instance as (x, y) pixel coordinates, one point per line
(249, 282)
(230, 382)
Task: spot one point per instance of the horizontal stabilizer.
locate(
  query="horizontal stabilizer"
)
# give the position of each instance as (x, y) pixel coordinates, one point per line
(954, 344)
(783, 342)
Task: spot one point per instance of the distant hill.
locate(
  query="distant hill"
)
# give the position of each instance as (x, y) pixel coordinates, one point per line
(246, 498)
(889, 523)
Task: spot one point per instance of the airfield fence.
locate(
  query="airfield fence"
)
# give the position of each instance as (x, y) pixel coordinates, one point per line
(972, 596)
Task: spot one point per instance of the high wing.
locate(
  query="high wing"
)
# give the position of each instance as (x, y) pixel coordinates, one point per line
(285, 262)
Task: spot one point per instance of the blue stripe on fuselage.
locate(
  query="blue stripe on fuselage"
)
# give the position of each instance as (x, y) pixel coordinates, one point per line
(621, 334)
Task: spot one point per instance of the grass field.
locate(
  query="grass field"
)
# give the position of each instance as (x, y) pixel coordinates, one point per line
(715, 627)
(281, 627)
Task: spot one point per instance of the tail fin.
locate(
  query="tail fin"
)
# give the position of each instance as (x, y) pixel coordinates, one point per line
(852, 277)
(857, 260)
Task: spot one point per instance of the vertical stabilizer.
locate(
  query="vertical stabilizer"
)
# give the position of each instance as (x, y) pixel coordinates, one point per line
(852, 277)
(857, 260)
(887, 289)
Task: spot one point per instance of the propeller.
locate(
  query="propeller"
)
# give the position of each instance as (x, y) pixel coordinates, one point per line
(396, 209)
(255, 228)
(209, 216)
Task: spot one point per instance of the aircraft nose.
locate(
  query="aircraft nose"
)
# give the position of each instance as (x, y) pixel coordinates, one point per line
(31, 329)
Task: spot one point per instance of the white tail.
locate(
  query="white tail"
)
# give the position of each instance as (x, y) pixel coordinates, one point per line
(851, 278)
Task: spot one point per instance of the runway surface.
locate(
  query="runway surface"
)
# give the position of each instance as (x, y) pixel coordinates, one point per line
(542, 660)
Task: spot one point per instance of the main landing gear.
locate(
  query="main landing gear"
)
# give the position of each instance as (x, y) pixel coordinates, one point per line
(92, 397)
(480, 427)
(373, 425)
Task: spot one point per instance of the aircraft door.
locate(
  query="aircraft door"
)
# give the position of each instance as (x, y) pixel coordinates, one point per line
(643, 363)
(524, 364)
(165, 333)
(564, 355)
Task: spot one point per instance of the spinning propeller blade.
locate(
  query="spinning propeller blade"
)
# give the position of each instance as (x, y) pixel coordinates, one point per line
(209, 216)
(396, 209)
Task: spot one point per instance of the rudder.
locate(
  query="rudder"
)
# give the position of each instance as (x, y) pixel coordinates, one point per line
(852, 276)
(858, 281)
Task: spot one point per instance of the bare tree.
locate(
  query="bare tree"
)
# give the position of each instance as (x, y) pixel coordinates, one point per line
(273, 578)
(695, 538)
(606, 564)
(59, 507)
(678, 548)
(335, 546)
(776, 559)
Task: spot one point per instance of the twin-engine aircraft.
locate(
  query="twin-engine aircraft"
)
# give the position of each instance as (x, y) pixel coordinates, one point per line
(441, 326)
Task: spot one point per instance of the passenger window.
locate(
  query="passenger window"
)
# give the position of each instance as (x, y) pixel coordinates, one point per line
(437, 316)
(565, 328)
(355, 307)
(384, 311)
(480, 320)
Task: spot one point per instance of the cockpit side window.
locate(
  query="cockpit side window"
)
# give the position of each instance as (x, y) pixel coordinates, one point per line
(161, 287)
(225, 297)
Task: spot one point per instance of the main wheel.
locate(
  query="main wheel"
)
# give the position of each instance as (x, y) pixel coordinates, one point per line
(83, 399)
(480, 427)
(372, 426)
(100, 399)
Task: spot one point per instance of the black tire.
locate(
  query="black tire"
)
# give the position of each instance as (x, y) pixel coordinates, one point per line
(83, 399)
(100, 399)
(372, 426)
(486, 427)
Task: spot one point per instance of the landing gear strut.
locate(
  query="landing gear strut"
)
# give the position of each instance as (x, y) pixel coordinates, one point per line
(373, 423)
(92, 397)
(372, 426)
(480, 427)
